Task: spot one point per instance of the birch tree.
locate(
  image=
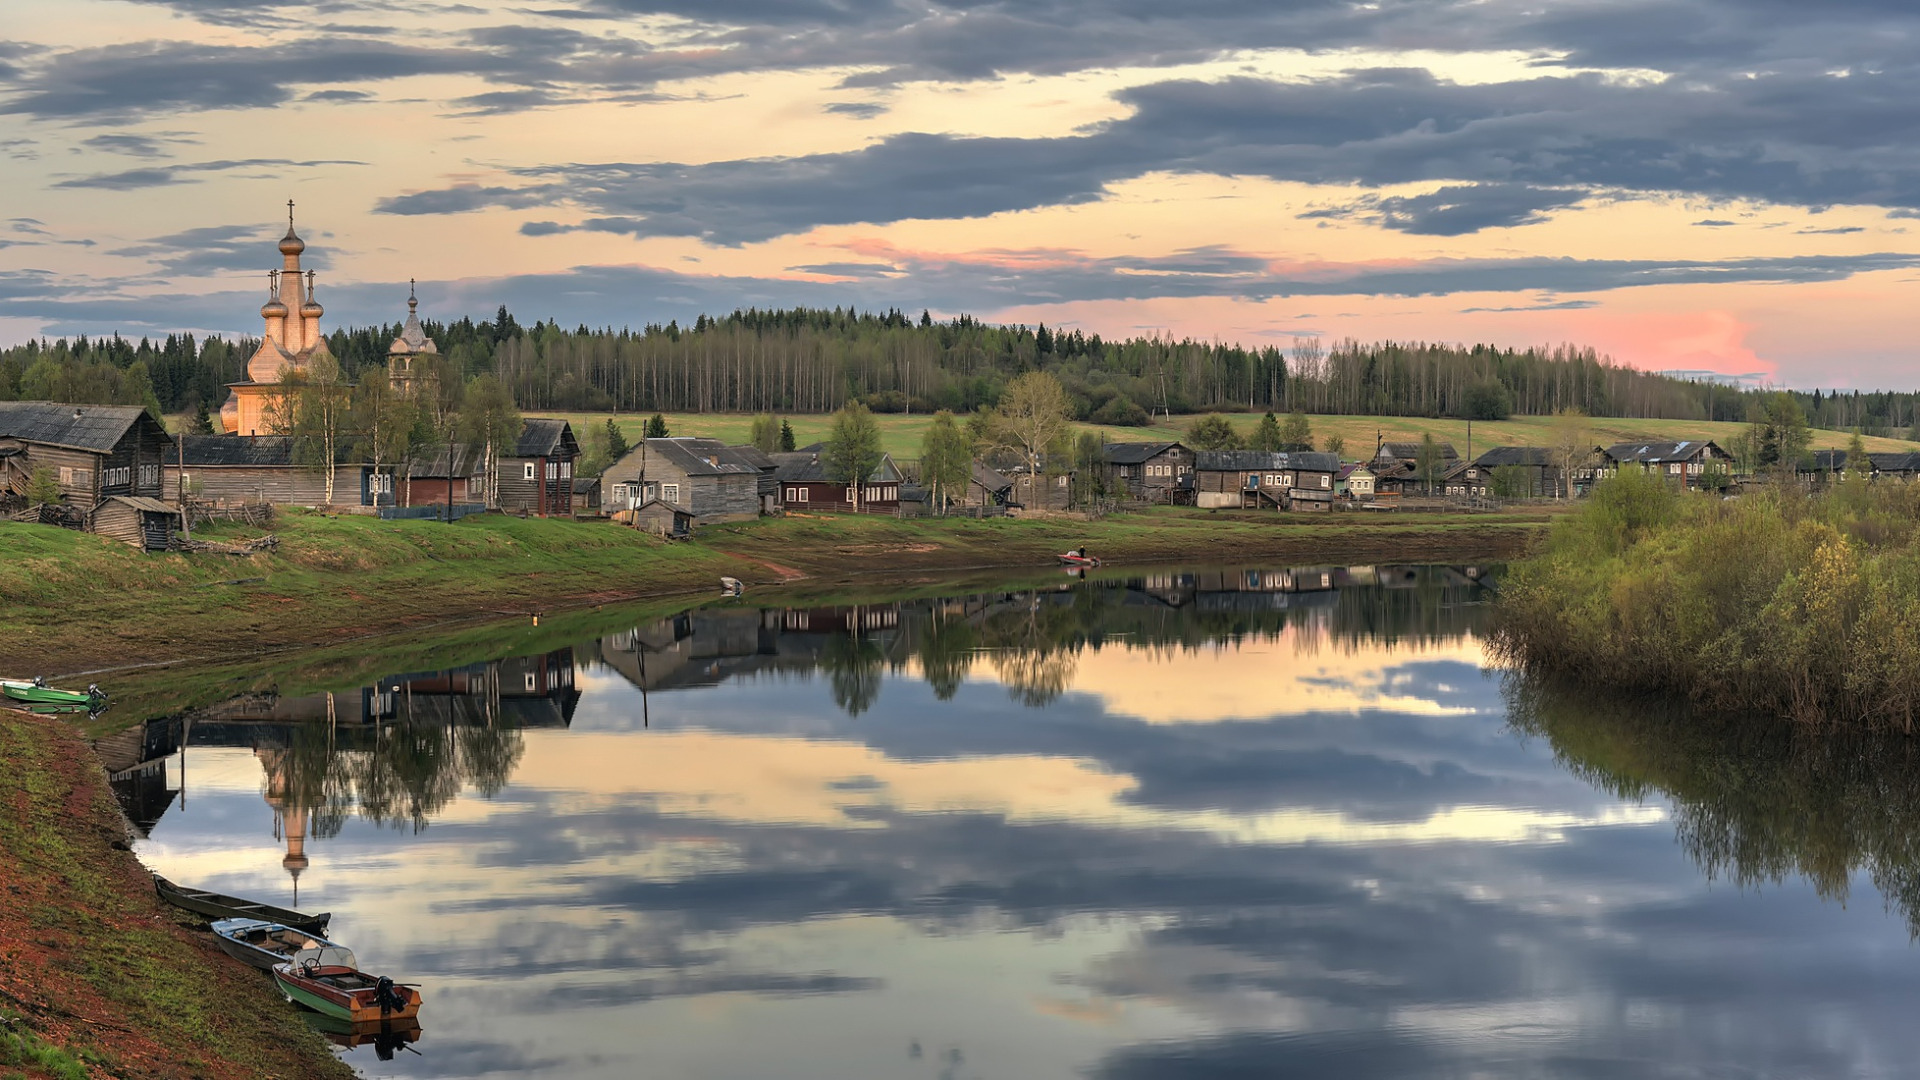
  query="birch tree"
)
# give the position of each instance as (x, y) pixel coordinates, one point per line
(320, 403)
(489, 420)
(1033, 417)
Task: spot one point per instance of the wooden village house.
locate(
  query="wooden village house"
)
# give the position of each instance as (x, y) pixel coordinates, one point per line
(1154, 471)
(91, 451)
(535, 475)
(709, 480)
(1684, 461)
(1531, 470)
(805, 483)
(1258, 479)
(1396, 468)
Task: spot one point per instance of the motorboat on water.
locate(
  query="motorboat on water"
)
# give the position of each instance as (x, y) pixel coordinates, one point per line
(346, 993)
(263, 944)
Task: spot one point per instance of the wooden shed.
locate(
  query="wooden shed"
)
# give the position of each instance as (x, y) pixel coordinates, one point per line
(664, 518)
(136, 520)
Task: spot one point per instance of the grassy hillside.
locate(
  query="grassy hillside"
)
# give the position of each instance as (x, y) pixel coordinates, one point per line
(902, 434)
(72, 601)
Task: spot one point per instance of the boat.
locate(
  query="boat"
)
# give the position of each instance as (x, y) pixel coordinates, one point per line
(263, 944)
(385, 1036)
(732, 586)
(37, 692)
(1074, 558)
(346, 993)
(220, 906)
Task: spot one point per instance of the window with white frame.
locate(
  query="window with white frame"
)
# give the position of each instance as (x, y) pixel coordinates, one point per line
(1286, 479)
(116, 476)
(1326, 481)
(149, 476)
(670, 492)
(527, 473)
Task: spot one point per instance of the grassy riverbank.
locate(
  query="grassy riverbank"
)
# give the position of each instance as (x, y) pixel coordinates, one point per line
(96, 978)
(1776, 603)
(74, 602)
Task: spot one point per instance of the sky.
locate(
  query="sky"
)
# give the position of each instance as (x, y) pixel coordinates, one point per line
(1725, 186)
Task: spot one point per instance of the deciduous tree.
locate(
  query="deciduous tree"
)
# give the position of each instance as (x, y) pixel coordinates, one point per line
(853, 448)
(489, 420)
(1033, 417)
(1212, 432)
(946, 461)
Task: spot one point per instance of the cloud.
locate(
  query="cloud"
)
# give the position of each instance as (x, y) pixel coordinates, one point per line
(1558, 305)
(163, 175)
(859, 110)
(1511, 152)
(216, 249)
(1457, 210)
(1838, 230)
(132, 145)
(1714, 223)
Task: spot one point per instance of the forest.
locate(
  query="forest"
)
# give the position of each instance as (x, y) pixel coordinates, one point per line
(813, 361)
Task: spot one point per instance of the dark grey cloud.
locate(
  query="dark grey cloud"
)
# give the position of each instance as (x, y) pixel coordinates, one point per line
(163, 175)
(850, 269)
(1714, 223)
(1555, 305)
(1457, 209)
(859, 110)
(132, 145)
(214, 250)
(1513, 152)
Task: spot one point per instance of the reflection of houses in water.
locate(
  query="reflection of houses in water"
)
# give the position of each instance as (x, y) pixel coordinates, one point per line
(706, 648)
(291, 733)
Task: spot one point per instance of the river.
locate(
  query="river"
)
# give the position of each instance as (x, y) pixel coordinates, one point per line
(1219, 823)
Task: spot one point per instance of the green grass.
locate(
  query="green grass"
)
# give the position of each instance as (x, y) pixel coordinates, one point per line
(75, 602)
(901, 434)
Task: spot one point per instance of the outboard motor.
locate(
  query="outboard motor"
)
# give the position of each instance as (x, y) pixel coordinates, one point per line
(390, 998)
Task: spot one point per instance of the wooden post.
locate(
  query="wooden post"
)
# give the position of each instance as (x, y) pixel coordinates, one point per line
(186, 518)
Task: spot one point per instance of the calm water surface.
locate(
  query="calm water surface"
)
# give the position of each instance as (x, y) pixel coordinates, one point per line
(1219, 824)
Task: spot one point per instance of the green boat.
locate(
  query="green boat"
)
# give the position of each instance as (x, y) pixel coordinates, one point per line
(38, 692)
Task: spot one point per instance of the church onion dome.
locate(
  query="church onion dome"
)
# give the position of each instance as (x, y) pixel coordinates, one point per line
(291, 244)
(273, 309)
(311, 309)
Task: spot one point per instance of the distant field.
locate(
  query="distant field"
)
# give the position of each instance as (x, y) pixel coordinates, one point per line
(901, 434)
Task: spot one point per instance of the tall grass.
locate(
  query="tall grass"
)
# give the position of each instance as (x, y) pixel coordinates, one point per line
(1795, 604)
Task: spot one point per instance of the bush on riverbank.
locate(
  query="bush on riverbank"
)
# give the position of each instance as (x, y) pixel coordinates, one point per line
(1784, 602)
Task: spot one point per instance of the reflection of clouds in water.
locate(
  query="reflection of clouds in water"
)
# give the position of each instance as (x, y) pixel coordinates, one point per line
(1336, 865)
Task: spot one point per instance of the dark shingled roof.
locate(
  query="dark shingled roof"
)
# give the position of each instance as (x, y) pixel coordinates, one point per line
(79, 427)
(1501, 456)
(1133, 453)
(1895, 461)
(434, 464)
(805, 467)
(1831, 460)
(1410, 451)
(701, 457)
(1264, 461)
(990, 480)
(1657, 453)
(237, 451)
(540, 437)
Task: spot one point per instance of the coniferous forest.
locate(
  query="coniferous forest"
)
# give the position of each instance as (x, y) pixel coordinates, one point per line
(809, 361)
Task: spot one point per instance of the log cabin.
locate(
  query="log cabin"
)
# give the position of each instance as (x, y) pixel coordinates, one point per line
(92, 451)
(806, 483)
(1155, 471)
(708, 479)
(1258, 479)
(536, 475)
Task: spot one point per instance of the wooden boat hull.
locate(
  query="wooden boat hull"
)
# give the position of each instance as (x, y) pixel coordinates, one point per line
(29, 694)
(262, 944)
(1075, 560)
(345, 994)
(384, 1036)
(220, 906)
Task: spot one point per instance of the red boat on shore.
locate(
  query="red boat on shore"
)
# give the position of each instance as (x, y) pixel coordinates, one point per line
(1078, 558)
(346, 993)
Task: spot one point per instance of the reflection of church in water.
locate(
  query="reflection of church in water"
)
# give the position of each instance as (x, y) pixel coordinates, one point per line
(296, 738)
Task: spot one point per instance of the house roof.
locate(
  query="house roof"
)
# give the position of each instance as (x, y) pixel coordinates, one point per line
(657, 501)
(237, 451)
(1895, 461)
(79, 427)
(1832, 460)
(1133, 453)
(806, 467)
(467, 460)
(1655, 453)
(1501, 456)
(1410, 451)
(542, 437)
(141, 502)
(701, 457)
(1264, 461)
(584, 485)
(990, 480)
